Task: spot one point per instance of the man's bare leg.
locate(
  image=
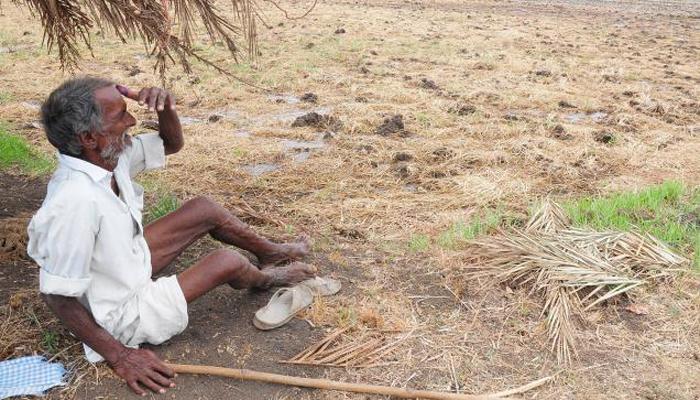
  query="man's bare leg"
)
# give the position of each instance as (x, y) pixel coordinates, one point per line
(227, 266)
(171, 235)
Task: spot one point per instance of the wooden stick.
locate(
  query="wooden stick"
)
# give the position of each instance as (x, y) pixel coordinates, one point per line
(246, 374)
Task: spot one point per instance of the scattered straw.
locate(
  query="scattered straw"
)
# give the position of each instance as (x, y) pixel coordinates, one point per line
(347, 348)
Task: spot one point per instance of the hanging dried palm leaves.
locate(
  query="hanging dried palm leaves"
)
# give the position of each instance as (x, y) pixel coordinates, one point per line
(572, 269)
(68, 22)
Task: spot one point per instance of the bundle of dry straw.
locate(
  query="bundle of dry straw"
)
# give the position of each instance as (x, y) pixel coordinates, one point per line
(573, 269)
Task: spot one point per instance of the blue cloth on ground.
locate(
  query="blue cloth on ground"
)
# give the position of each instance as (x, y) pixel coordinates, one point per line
(29, 376)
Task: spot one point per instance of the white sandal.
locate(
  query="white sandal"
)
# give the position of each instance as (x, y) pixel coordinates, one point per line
(322, 286)
(282, 307)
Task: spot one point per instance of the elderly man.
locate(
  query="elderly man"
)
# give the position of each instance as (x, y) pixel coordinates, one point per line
(97, 259)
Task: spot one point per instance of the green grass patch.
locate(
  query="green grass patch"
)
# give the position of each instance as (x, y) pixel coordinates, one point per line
(419, 243)
(669, 211)
(16, 152)
(5, 97)
(49, 341)
(165, 204)
(462, 231)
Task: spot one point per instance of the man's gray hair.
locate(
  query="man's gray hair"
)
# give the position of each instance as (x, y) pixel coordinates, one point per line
(71, 110)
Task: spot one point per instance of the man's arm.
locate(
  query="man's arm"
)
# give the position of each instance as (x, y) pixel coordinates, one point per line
(163, 102)
(135, 366)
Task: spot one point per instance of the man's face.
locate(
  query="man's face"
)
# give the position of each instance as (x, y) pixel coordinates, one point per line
(116, 121)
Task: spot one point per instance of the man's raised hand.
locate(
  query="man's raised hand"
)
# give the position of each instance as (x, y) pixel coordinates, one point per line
(143, 367)
(155, 98)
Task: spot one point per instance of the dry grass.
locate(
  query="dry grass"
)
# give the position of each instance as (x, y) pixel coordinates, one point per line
(513, 70)
(28, 327)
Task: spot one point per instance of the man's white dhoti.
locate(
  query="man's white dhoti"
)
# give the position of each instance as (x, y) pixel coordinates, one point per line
(89, 244)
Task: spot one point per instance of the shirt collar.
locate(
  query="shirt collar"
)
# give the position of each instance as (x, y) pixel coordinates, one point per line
(98, 174)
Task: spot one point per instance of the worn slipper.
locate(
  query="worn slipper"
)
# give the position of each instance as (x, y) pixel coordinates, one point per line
(322, 286)
(282, 307)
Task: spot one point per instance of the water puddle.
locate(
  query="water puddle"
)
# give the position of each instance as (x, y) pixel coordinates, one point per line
(288, 116)
(284, 98)
(225, 115)
(301, 149)
(578, 117)
(410, 188)
(301, 145)
(300, 157)
(598, 116)
(242, 133)
(184, 121)
(260, 169)
(31, 105)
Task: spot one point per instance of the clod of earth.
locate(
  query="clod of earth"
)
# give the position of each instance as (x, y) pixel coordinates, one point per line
(361, 99)
(511, 116)
(463, 109)
(317, 120)
(134, 70)
(443, 153)
(566, 104)
(309, 98)
(13, 238)
(558, 132)
(401, 156)
(543, 72)
(604, 137)
(392, 125)
(365, 148)
(404, 170)
(426, 83)
(150, 124)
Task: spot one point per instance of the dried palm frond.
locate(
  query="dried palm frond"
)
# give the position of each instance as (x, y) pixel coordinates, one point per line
(572, 269)
(68, 22)
(550, 217)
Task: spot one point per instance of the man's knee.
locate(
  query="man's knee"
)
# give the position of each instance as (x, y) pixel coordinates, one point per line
(200, 202)
(229, 263)
(213, 211)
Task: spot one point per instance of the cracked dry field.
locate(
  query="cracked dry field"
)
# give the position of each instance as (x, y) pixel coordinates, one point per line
(500, 104)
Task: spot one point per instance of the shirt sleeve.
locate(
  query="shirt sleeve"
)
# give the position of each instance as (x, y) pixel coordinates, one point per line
(61, 241)
(147, 152)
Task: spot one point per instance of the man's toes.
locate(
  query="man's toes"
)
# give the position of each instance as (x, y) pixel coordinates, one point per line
(305, 241)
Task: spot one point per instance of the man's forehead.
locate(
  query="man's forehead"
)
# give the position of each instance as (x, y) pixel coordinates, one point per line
(109, 96)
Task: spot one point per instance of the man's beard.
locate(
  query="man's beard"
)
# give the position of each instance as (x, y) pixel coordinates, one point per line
(115, 148)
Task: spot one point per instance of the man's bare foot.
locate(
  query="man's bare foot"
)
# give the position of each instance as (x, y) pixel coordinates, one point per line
(284, 252)
(290, 274)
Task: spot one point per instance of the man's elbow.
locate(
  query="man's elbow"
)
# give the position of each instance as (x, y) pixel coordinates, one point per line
(174, 147)
(55, 301)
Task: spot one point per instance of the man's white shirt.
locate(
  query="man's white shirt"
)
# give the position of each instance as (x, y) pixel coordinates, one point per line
(89, 243)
